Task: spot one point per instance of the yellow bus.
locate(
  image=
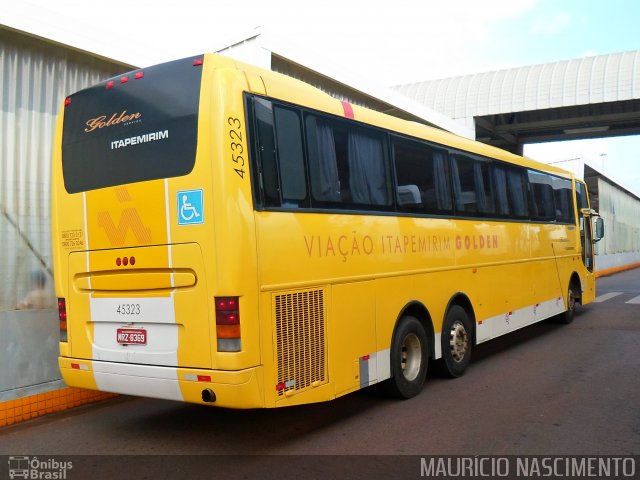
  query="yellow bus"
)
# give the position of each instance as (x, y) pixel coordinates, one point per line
(230, 236)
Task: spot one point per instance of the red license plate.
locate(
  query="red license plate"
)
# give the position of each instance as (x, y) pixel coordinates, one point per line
(131, 336)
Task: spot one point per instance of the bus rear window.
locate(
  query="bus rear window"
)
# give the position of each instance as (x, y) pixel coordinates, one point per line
(138, 126)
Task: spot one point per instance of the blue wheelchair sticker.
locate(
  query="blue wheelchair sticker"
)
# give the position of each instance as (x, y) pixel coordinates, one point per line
(190, 207)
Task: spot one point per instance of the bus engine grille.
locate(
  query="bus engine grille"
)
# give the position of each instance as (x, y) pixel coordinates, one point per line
(300, 340)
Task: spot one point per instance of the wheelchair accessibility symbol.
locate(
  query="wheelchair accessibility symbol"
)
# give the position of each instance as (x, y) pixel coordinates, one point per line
(190, 207)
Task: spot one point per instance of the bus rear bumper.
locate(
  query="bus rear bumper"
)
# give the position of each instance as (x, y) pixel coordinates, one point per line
(231, 389)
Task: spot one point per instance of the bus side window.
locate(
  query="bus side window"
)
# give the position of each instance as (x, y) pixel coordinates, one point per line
(464, 189)
(486, 200)
(267, 152)
(542, 205)
(581, 196)
(516, 188)
(472, 186)
(499, 174)
(323, 162)
(369, 179)
(412, 176)
(347, 164)
(422, 178)
(290, 157)
(564, 206)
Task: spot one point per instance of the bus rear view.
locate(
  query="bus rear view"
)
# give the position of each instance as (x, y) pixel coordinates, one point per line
(147, 305)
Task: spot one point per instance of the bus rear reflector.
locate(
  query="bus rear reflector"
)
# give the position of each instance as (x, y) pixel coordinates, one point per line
(228, 324)
(62, 318)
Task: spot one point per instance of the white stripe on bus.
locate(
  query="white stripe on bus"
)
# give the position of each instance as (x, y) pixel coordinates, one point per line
(168, 221)
(86, 236)
(141, 380)
(511, 321)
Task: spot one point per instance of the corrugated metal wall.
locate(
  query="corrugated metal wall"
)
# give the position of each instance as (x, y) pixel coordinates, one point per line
(620, 212)
(36, 76)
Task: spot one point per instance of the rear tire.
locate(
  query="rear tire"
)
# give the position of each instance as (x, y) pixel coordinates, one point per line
(456, 342)
(409, 358)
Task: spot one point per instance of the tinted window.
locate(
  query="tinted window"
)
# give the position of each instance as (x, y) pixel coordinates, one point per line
(543, 203)
(581, 196)
(422, 176)
(311, 160)
(472, 185)
(510, 189)
(266, 152)
(290, 156)
(563, 196)
(517, 186)
(143, 129)
(347, 164)
(499, 174)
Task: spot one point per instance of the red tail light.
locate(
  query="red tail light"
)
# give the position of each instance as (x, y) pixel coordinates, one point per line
(62, 317)
(228, 324)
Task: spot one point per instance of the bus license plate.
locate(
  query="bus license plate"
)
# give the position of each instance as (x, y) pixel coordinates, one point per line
(131, 336)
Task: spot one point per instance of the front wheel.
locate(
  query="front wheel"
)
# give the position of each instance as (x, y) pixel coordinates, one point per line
(409, 358)
(570, 312)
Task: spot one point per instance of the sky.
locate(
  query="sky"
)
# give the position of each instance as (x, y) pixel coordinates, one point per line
(386, 42)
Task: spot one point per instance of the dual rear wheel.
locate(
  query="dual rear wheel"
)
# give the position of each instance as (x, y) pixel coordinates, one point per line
(456, 341)
(409, 358)
(410, 348)
(410, 351)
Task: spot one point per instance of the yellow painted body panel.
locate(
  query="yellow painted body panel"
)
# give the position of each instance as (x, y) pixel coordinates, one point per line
(233, 389)
(356, 272)
(75, 377)
(354, 336)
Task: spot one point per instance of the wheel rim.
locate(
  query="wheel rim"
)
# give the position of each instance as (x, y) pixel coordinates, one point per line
(459, 341)
(411, 356)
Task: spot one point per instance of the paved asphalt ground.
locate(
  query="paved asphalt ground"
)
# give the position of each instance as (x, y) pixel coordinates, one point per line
(549, 389)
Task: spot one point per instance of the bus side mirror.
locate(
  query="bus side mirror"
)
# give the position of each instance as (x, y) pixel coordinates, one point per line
(599, 230)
